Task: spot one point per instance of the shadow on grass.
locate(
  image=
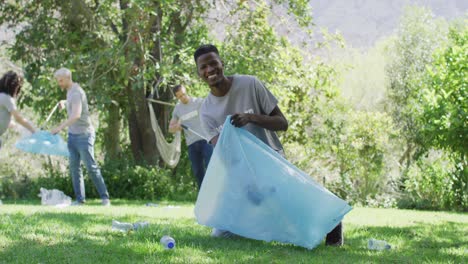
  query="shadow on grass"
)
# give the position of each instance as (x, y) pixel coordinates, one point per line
(71, 237)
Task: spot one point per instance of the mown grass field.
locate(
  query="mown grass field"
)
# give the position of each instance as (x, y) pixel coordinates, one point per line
(31, 233)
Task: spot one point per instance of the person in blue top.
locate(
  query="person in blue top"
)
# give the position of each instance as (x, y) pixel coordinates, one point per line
(186, 113)
(10, 88)
(250, 104)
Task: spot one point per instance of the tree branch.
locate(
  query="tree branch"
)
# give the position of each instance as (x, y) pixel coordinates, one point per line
(115, 29)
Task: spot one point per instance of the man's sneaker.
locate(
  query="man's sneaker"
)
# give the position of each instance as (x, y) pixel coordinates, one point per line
(221, 233)
(77, 203)
(106, 202)
(335, 237)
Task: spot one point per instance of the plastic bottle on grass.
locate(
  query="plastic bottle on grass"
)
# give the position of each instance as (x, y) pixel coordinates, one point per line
(140, 225)
(121, 226)
(124, 227)
(168, 242)
(375, 244)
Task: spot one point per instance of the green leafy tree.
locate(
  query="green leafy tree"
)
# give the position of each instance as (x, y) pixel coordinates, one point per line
(324, 133)
(349, 151)
(253, 47)
(445, 112)
(419, 34)
(119, 51)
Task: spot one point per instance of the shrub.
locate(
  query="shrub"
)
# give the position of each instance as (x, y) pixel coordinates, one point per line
(429, 183)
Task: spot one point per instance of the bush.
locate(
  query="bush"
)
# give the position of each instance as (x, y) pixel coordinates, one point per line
(124, 179)
(16, 187)
(428, 183)
(18, 169)
(350, 152)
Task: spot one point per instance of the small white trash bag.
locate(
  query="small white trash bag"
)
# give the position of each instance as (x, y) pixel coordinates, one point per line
(54, 197)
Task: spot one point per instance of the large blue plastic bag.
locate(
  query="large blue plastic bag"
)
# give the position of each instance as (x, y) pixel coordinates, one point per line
(252, 191)
(43, 142)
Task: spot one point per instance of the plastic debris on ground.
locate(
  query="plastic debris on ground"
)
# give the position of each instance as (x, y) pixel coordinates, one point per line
(374, 244)
(168, 242)
(125, 227)
(43, 142)
(54, 197)
(171, 207)
(252, 191)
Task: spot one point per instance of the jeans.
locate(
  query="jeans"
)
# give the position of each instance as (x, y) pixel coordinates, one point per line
(199, 154)
(81, 148)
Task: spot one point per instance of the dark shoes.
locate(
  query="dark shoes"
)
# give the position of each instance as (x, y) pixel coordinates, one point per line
(335, 237)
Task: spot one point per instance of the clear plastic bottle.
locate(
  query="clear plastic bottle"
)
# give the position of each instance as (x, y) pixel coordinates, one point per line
(124, 227)
(168, 242)
(375, 244)
(140, 225)
(121, 226)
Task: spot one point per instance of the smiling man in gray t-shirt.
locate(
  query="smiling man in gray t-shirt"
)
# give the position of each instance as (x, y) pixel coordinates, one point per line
(243, 97)
(251, 105)
(246, 96)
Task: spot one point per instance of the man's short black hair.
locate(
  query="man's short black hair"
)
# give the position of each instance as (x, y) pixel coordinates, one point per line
(204, 49)
(176, 88)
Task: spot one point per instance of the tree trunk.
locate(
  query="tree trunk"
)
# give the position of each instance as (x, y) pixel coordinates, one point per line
(142, 139)
(112, 131)
(163, 112)
(406, 156)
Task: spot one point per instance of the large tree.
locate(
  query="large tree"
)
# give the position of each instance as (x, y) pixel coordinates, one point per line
(120, 51)
(445, 109)
(418, 35)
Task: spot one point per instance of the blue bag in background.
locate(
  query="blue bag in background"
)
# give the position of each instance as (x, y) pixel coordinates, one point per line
(43, 142)
(252, 191)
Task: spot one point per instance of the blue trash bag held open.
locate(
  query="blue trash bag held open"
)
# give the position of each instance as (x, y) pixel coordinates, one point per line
(254, 192)
(43, 142)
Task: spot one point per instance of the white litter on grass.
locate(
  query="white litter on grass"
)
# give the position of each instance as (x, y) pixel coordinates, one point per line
(171, 206)
(60, 206)
(374, 244)
(125, 227)
(1, 202)
(54, 197)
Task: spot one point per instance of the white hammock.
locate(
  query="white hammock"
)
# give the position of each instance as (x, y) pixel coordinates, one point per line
(170, 152)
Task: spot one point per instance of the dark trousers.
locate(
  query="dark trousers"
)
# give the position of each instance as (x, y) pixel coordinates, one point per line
(199, 154)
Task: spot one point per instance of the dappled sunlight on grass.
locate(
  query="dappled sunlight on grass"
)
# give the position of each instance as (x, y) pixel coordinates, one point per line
(75, 234)
(397, 217)
(163, 209)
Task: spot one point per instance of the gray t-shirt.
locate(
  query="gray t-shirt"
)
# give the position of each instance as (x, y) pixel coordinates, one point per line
(83, 125)
(188, 114)
(246, 95)
(7, 105)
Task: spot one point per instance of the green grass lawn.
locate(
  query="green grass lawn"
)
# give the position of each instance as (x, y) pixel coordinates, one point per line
(30, 233)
